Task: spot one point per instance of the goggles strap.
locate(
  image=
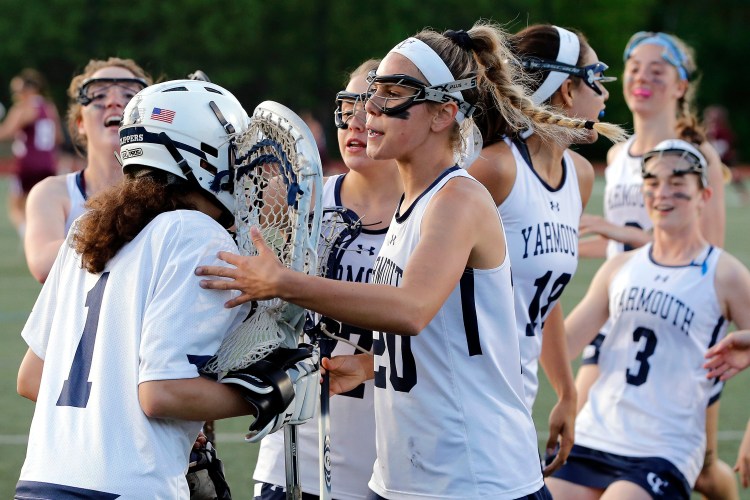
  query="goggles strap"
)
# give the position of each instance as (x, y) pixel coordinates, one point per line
(568, 53)
(432, 66)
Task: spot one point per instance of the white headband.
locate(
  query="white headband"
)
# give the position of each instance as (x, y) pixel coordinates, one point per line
(570, 48)
(430, 65)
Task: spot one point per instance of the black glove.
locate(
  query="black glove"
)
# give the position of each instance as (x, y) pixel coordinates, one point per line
(205, 475)
(271, 384)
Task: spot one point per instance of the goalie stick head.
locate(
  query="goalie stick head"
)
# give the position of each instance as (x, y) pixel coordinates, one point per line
(278, 181)
(340, 226)
(186, 128)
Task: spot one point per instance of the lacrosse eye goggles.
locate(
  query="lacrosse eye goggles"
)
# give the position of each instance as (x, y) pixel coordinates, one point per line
(695, 164)
(590, 74)
(380, 93)
(96, 89)
(349, 105)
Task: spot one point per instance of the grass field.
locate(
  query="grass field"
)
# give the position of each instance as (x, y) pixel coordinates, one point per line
(18, 292)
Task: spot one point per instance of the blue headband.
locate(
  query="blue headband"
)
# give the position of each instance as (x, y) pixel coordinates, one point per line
(672, 53)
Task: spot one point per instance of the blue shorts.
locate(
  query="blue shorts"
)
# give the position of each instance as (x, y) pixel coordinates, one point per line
(598, 469)
(541, 494)
(275, 492)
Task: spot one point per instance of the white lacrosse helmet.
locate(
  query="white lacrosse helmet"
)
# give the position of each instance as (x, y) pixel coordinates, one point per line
(187, 128)
(695, 161)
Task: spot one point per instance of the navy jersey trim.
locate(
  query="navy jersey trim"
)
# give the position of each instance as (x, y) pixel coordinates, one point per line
(631, 155)
(703, 264)
(400, 218)
(713, 399)
(339, 203)
(715, 333)
(34, 490)
(337, 190)
(81, 183)
(469, 310)
(523, 148)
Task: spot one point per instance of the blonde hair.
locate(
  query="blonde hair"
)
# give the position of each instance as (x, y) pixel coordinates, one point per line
(74, 108)
(502, 94)
(362, 69)
(688, 124)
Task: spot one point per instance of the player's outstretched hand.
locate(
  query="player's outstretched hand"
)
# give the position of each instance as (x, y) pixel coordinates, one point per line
(561, 435)
(347, 372)
(282, 387)
(730, 356)
(255, 277)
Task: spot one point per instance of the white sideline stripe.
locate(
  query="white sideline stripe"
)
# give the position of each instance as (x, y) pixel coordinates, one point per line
(237, 438)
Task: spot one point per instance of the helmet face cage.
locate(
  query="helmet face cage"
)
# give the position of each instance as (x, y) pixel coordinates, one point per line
(349, 105)
(186, 128)
(590, 74)
(380, 85)
(695, 164)
(95, 89)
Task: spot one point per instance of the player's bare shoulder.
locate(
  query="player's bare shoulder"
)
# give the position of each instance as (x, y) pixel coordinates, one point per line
(732, 281)
(50, 192)
(615, 151)
(496, 169)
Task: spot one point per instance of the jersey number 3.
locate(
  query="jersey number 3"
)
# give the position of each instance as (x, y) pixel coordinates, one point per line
(638, 377)
(76, 389)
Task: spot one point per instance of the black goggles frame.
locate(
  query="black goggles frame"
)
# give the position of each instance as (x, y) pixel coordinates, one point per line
(586, 73)
(85, 100)
(339, 119)
(695, 166)
(424, 92)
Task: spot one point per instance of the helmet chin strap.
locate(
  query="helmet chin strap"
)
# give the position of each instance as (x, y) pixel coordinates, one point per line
(226, 218)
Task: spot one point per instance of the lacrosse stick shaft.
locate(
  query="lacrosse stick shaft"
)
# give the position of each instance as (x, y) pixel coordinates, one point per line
(291, 463)
(324, 427)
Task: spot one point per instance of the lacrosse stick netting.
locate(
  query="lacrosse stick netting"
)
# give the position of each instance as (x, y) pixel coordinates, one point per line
(339, 228)
(278, 180)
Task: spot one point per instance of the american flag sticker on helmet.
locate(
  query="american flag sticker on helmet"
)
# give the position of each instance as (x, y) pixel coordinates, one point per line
(163, 115)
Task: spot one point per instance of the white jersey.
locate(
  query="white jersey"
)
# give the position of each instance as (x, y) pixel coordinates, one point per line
(77, 197)
(541, 225)
(651, 396)
(352, 414)
(623, 200)
(100, 335)
(449, 406)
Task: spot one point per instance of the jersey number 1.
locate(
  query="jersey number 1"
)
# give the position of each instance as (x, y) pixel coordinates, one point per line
(77, 388)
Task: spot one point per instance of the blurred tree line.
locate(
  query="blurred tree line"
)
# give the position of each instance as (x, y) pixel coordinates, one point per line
(298, 52)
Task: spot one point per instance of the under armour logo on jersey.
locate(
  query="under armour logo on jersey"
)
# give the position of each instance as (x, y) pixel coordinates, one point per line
(392, 241)
(656, 483)
(553, 205)
(370, 250)
(661, 277)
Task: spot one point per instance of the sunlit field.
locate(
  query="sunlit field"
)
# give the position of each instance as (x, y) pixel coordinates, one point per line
(18, 292)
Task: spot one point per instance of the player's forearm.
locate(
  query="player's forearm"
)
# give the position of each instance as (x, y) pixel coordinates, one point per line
(580, 331)
(191, 399)
(41, 258)
(554, 358)
(375, 307)
(592, 247)
(30, 376)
